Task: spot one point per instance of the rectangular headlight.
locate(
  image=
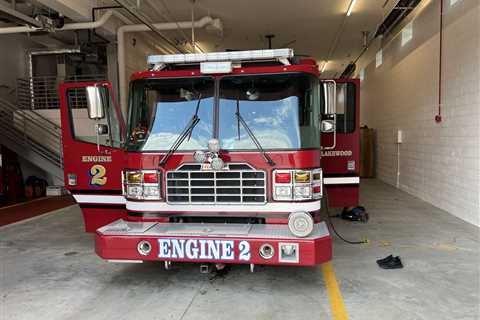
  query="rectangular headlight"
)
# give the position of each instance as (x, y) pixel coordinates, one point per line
(134, 191)
(302, 192)
(297, 184)
(142, 184)
(283, 193)
(151, 192)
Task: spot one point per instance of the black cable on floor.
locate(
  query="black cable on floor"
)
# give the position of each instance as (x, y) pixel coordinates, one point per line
(333, 227)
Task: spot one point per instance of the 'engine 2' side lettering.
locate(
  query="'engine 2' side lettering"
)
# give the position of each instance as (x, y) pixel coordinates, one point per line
(200, 249)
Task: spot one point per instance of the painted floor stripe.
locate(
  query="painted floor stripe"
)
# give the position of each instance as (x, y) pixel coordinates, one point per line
(334, 295)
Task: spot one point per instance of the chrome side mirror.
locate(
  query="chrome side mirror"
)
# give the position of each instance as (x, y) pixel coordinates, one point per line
(95, 101)
(330, 97)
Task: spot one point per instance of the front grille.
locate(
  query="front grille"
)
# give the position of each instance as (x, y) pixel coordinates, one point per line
(238, 183)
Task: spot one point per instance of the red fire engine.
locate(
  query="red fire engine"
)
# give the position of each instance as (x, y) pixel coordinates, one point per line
(224, 158)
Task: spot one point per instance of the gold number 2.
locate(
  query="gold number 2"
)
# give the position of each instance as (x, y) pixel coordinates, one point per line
(97, 172)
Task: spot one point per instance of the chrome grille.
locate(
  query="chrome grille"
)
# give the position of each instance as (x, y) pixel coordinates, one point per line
(238, 183)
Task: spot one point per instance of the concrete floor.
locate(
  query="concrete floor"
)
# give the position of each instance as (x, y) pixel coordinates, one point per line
(50, 271)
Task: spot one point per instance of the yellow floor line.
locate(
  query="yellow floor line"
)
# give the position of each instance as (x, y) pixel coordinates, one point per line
(334, 295)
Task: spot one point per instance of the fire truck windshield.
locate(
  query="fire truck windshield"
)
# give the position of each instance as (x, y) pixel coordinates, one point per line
(160, 110)
(281, 110)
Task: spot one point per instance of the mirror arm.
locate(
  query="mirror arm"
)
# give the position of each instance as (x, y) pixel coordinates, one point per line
(98, 137)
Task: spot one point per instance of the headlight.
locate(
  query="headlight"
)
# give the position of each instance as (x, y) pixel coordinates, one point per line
(283, 192)
(297, 185)
(151, 192)
(300, 224)
(134, 191)
(142, 184)
(302, 192)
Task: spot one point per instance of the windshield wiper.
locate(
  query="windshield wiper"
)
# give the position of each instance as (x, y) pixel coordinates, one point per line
(251, 135)
(187, 132)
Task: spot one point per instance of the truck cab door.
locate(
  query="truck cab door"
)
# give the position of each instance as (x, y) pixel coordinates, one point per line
(341, 149)
(93, 160)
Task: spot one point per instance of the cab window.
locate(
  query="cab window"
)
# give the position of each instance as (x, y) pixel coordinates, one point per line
(83, 128)
(346, 95)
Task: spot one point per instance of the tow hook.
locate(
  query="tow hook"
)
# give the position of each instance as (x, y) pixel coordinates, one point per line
(204, 268)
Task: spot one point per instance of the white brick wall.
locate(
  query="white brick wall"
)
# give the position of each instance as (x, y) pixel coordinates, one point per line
(439, 162)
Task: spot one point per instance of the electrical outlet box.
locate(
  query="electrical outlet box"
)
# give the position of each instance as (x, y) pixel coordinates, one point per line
(399, 136)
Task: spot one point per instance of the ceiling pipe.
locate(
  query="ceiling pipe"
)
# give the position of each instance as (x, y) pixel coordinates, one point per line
(17, 16)
(140, 17)
(69, 26)
(213, 24)
(122, 78)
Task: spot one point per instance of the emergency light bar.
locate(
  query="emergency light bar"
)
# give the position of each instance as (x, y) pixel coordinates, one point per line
(236, 56)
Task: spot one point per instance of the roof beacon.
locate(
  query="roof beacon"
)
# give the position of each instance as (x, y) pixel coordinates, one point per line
(220, 62)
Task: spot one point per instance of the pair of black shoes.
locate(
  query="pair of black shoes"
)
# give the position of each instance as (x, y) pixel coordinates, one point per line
(390, 262)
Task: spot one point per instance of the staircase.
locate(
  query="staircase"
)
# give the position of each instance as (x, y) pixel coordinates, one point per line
(31, 126)
(33, 137)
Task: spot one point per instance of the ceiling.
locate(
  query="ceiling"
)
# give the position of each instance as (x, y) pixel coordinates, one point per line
(317, 28)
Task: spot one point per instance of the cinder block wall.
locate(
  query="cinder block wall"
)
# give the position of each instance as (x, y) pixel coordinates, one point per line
(437, 162)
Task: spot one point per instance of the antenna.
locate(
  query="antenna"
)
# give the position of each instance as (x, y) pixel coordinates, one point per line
(270, 37)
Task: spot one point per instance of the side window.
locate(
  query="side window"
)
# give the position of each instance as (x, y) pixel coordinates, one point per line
(346, 96)
(83, 128)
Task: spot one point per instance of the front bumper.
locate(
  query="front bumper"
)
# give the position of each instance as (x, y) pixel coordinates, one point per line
(209, 242)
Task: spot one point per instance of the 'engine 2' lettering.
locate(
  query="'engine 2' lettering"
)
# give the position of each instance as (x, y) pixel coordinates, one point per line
(202, 249)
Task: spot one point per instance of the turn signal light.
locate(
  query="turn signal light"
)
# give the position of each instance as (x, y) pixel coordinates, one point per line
(134, 177)
(302, 176)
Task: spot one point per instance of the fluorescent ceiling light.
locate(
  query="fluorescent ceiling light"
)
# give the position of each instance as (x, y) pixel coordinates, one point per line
(324, 66)
(350, 7)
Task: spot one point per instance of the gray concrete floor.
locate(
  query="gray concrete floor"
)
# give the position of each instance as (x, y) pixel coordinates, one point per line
(49, 271)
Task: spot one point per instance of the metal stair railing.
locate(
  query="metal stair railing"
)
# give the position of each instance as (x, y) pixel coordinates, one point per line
(22, 123)
(41, 92)
(32, 131)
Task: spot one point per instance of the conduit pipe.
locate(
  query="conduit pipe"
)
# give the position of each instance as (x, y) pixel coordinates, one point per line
(438, 116)
(69, 26)
(122, 78)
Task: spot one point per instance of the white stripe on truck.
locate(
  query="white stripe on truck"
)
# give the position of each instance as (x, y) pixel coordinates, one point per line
(341, 180)
(286, 207)
(156, 206)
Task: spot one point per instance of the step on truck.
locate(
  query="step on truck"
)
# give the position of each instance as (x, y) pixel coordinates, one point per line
(223, 158)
